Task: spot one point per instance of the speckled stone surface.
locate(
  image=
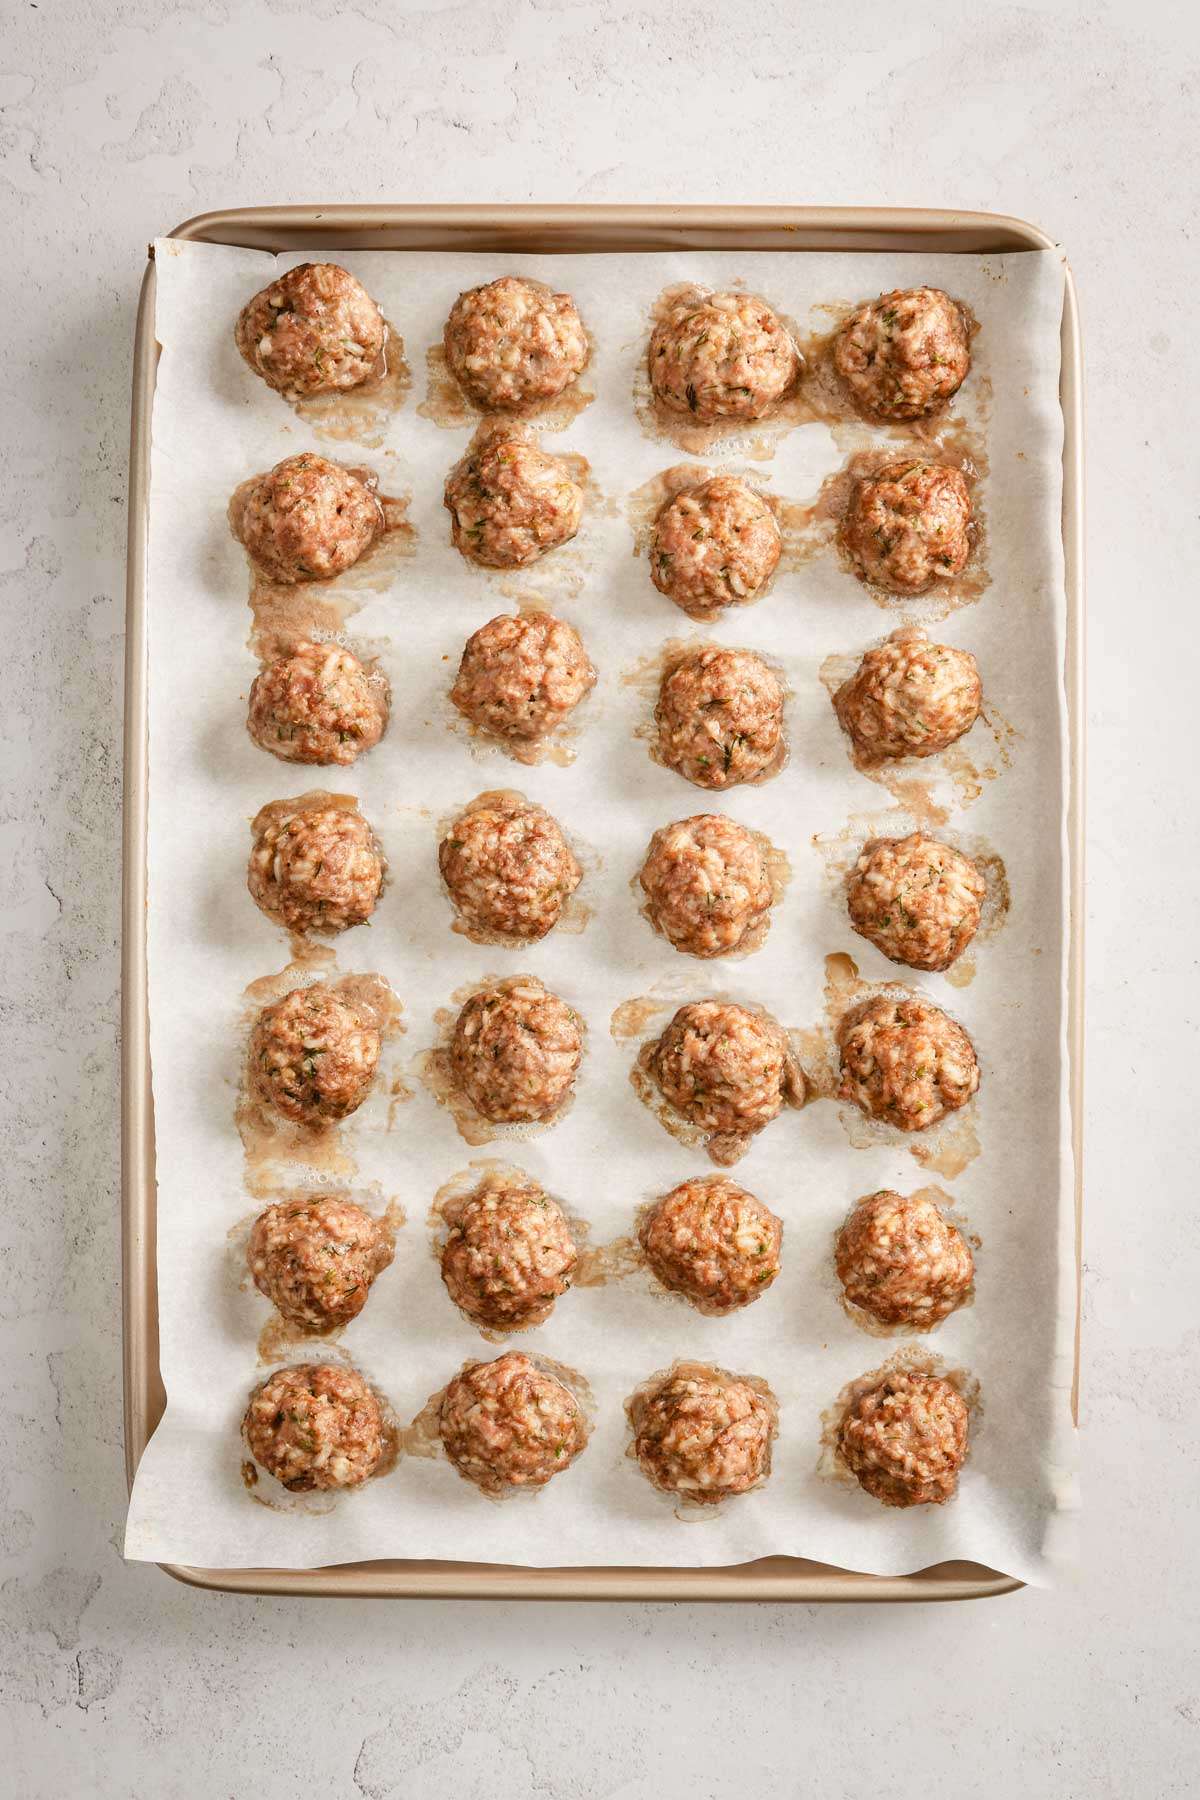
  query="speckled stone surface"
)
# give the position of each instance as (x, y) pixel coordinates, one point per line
(116, 122)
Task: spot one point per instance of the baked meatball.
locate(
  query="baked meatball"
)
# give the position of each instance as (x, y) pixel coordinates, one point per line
(313, 1055)
(916, 899)
(905, 1062)
(905, 353)
(510, 502)
(720, 717)
(509, 1254)
(315, 1257)
(314, 868)
(902, 1261)
(706, 884)
(513, 342)
(703, 1433)
(315, 1426)
(721, 356)
(713, 1242)
(521, 674)
(516, 1051)
(908, 526)
(508, 867)
(314, 330)
(317, 705)
(508, 1424)
(906, 1439)
(728, 1070)
(714, 546)
(909, 697)
(306, 519)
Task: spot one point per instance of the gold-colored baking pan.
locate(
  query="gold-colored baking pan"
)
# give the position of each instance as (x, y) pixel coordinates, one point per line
(511, 231)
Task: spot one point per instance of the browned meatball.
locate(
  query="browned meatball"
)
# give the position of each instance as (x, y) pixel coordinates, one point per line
(313, 1055)
(714, 546)
(514, 342)
(509, 1255)
(720, 717)
(315, 1426)
(916, 899)
(905, 1062)
(906, 1440)
(905, 353)
(508, 1424)
(713, 1242)
(315, 1257)
(721, 356)
(521, 675)
(306, 519)
(509, 503)
(909, 697)
(706, 884)
(728, 1070)
(516, 1051)
(908, 526)
(314, 330)
(703, 1433)
(314, 867)
(901, 1261)
(318, 705)
(508, 867)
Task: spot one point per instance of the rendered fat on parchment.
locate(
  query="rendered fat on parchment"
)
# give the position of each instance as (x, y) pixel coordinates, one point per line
(214, 424)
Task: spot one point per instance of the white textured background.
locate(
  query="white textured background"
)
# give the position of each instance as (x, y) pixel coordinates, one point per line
(119, 120)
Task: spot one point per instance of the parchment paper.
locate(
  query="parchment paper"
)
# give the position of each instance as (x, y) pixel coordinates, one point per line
(215, 424)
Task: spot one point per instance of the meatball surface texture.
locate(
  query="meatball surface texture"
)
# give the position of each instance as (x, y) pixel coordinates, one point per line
(707, 884)
(909, 697)
(313, 1056)
(313, 331)
(521, 675)
(703, 1434)
(510, 1424)
(720, 717)
(713, 1242)
(516, 1051)
(906, 1440)
(315, 1426)
(314, 868)
(714, 546)
(509, 1255)
(318, 705)
(905, 354)
(307, 519)
(902, 1261)
(721, 356)
(509, 503)
(726, 1069)
(508, 868)
(315, 1257)
(916, 899)
(908, 526)
(512, 343)
(905, 1062)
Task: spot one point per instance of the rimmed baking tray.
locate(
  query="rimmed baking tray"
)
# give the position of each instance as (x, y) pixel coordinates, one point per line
(511, 232)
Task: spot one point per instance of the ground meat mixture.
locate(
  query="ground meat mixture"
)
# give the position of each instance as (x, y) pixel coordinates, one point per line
(907, 527)
(513, 342)
(508, 1424)
(315, 1257)
(707, 884)
(728, 1070)
(307, 519)
(315, 1426)
(318, 705)
(909, 697)
(713, 1242)
(703, 1434)
(916, 899)
(509, 1255)
(521, 674)
(720, 717)
(905, 353)
(508, 868)
(509, 503)
(314, 868)
(905, 1062)
(714, 546)
(906, 1440)
(313, 1056)
(516, 1051)
(314, 330)
(902, 1261)
(722, 356)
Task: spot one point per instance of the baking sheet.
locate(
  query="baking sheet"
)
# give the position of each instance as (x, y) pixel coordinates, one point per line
(213, 425)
